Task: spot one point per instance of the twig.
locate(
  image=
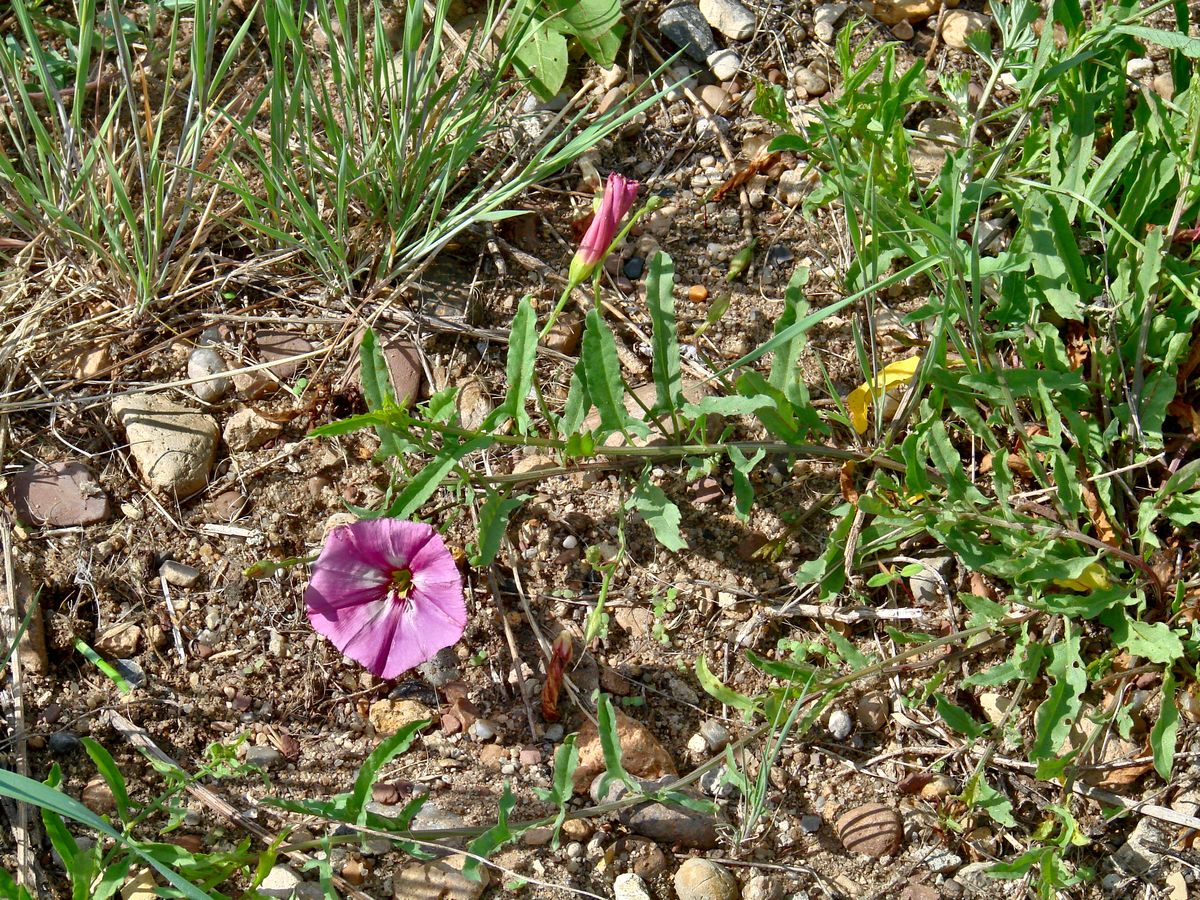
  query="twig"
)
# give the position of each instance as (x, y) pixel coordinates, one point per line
(142, 741)
(497, 596)
(12, 618)
(171, 614)
(848, 615)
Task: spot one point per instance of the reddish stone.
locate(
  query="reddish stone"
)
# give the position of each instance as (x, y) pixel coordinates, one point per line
(61, 494)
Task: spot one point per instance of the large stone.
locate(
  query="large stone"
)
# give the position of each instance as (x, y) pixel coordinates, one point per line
(279, 348)
(61, 494)
(703, 879)
(404, 368)
(389, 716)
(729, 17)
(672, 824)
(685, 26)
(441, 879)
(641, 753)
(173, 445)
(872, 829)
(893, 12)
(206, 367)
(957, 24)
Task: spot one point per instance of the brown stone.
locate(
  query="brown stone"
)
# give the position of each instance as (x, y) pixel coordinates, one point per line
(98, 796)
(493, 755)
(31, 649)
(892, 12)
(404, 368)
(641, 753)
(873, 829)
(61, 494)
(441, 879)
(281, 345)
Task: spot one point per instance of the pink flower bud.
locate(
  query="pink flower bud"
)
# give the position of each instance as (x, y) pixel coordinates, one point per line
(619, 194)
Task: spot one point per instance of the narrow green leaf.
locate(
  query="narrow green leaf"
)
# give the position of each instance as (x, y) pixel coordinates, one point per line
(958, 718)
(378, 390)
(610, 744)
(425, 483)
(111, 774)
(743, 489)
(1166, 729)
(388, 750)
(495, 837)
(785, 373)
(1172, 40)
(660, 300)
(493, 520)
(715, 688)
(522, 354)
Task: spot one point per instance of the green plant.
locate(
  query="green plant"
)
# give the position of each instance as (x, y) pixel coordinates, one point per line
(595, 25)
(98, 168)
(373, 162)
(97, 869)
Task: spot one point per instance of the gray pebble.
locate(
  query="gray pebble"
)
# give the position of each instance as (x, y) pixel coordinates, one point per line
(205, 363)
(685, 27)
(715, 734)
(63, 742)
(179, 574)
(724, 64)
(810, 824)
(130, 671)
(264, 757)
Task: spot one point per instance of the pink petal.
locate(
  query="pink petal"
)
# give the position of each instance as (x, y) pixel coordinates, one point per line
(348, 598)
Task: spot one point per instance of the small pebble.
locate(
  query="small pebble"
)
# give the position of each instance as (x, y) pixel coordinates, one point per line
(553, 733)
(570, 542)
(697, 293)
(903, 31)
(130, 671)
(840, 724)
(633, 267)
(716, 735)
(179, 574)
(205, 363)
(63, 742)
(810, 824)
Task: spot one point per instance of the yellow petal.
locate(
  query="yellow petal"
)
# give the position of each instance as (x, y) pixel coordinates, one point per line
(1093, 578)
(899, 372)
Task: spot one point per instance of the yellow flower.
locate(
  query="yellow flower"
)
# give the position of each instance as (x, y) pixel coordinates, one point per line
(1093, 578)
(859, 401)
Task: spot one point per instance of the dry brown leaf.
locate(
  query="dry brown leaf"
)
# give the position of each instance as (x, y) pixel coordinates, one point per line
(846, 481)
(1078, 348)
(737, 179)
(1100, 521)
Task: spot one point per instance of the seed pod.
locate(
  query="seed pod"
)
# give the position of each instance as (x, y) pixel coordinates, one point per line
(741, 261)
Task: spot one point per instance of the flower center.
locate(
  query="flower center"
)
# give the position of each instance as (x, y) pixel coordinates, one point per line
(401, 583)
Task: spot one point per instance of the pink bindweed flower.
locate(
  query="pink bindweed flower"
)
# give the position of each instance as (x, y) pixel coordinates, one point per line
(619, 194)
(387, 593)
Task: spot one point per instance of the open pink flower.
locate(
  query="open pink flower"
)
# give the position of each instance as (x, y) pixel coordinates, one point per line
(387, 593)
(619, 194)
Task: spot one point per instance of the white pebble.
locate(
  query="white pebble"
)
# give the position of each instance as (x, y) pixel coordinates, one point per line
(840, 724)
(570, 542)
